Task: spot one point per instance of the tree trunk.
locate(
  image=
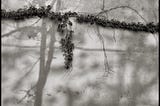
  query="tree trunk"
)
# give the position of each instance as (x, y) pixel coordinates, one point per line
(42, 77)
(44, 68)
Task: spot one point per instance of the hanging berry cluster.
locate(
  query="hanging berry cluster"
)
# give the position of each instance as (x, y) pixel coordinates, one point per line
(44, 12)
(67, 48)
(64, 27)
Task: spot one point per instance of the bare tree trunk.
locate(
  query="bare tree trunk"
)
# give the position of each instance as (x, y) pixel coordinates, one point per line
(44, 68)
(41, 79)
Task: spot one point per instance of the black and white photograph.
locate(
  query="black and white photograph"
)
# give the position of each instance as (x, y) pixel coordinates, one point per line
(80, 52)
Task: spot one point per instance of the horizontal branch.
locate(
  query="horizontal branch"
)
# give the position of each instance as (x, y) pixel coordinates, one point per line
(16, 30)
(80, 48)
(119, 7)
(43, 12)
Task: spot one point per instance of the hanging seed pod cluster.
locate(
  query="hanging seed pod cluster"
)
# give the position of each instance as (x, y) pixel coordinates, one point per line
(44, 12)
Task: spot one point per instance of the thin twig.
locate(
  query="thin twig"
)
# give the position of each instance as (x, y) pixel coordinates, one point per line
(3, 22)
(118, 7)
(16, 30)
(35, 22)
(106, 64)
(114, 33)
(77, 5)
(27, 94)
(28, 1)
(25, 75)
(103, 6)
(80, 48)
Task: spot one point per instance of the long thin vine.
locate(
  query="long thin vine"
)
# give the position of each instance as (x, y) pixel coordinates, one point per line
(44, 12)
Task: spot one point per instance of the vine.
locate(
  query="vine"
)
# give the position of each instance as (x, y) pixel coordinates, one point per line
(44, 12)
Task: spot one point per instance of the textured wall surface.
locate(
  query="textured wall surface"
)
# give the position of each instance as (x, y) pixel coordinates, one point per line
(132, 56)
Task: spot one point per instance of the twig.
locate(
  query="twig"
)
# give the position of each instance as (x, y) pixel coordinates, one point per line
(16, 30)
(35, 22)
(118, 7)
(106, 64)
(25, 75)
(77, 5)
(28, 1)
(27, 94)
(80, 48)
(114, 37)
(103, 6)
(3, 22)
(107, 18)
